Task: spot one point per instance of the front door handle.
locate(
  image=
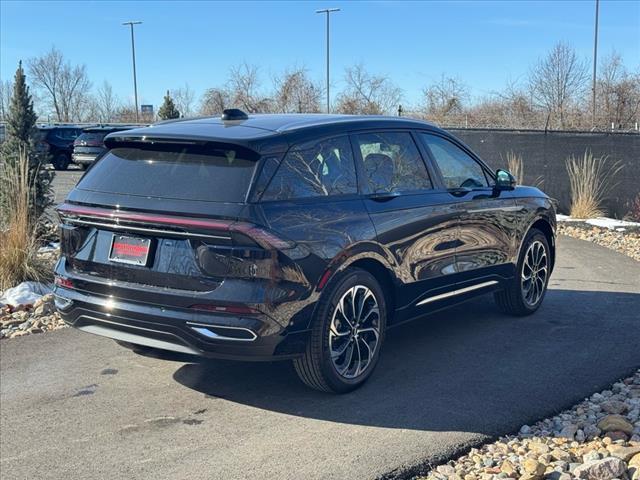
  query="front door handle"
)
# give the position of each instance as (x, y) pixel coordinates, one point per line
(459, 191)
(383, 196)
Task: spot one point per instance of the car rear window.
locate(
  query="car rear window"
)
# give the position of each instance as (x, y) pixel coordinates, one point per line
(91, 136)
(207, 174)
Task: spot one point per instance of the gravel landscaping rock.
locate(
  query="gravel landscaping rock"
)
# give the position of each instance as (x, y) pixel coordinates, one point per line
(26, 319)
(39, 316)
(624, 240)
(598, 439)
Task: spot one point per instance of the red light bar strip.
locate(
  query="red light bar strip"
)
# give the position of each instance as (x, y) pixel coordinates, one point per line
(74, 210)
(263, 237)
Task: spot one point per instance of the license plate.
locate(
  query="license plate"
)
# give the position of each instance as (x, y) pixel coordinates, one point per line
(131, 250)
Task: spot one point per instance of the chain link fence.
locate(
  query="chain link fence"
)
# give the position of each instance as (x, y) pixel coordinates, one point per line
(528, 121)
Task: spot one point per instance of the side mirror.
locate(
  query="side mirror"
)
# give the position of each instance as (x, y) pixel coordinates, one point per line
(504, 180)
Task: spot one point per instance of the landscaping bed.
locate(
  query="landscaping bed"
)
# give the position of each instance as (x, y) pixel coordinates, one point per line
(597, 439)
(29, 307)
(623, 237)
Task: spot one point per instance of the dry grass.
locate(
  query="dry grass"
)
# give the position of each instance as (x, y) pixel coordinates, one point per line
(18, 239)
(591, 178)
(515, 167)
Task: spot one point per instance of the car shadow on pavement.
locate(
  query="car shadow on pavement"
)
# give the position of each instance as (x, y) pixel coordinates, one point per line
(468, 368)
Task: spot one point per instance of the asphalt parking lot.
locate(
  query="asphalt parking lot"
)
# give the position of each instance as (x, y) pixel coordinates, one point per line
(64, 181)
(79, 406)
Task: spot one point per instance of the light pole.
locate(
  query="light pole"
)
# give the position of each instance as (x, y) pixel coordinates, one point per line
(328, 11)
(133, 55)
(595, 62)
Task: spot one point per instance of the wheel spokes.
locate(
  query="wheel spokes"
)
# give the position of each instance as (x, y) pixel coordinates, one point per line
(355, 319)
(533, 277)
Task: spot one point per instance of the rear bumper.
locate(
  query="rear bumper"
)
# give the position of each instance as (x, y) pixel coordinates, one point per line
(232, 337)
(83, 158)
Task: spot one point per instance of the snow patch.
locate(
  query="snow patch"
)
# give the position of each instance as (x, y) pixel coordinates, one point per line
(25, 294)
(50, 247)
(611, 223)
(603, 222)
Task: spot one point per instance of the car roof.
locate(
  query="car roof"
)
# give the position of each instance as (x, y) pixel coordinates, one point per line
(261, 132)
(56, 127)
(107, 128)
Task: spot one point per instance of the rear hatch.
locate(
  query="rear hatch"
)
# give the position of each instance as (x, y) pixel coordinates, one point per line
(89, 143)
(171, 216)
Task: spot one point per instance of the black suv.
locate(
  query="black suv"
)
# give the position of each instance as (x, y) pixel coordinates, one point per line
(55, 143)
(89, 145)
(297, 237)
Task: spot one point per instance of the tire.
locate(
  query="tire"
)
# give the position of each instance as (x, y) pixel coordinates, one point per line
(61, 161)
(521, 297)
(363, 337)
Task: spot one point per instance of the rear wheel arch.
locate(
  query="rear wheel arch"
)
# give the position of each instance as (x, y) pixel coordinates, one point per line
(376, 266)
(384, 277)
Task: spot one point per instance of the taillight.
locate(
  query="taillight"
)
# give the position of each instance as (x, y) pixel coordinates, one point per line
(63, 282)
(260, 235)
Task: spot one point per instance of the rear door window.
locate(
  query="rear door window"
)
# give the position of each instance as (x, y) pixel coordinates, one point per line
(207, 174)
(315, 169)
(392, 162)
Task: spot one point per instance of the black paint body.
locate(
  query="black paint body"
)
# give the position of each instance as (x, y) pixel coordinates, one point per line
(417, 245)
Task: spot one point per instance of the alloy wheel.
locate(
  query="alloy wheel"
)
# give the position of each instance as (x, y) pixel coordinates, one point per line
(354, 332)
(534, 275)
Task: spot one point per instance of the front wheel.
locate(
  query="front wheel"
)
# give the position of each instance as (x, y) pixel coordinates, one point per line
(347, 334)
(526, 291)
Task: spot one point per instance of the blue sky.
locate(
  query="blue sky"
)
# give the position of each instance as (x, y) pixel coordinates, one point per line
(482, 43)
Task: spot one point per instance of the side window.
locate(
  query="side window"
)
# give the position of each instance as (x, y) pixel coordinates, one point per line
(457, 167)
(66, 134)
(314, 170)
(392, 162)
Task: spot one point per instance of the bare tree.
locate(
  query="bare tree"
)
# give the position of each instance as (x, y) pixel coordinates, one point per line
(557, 81)
(6, 90)
(510, 107)
(368, 94)
(242, 90)
(618, 93)
(107, 103)
(214, 101)
(127, 114)
(66, 86)
(295, 92)
(444, 98)
(183, 98)
(244, 85)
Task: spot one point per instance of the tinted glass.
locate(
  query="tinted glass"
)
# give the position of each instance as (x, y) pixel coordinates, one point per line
(457, 167)
(314, 170)
(214, 175)
(67, 133)
(392, 162)
(91, 137)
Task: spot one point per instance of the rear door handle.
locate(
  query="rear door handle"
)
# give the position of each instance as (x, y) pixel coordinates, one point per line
(383, 196)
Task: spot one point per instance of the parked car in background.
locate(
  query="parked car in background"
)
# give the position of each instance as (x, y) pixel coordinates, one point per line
(89, 145)
(56, 144)
(303, 237)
